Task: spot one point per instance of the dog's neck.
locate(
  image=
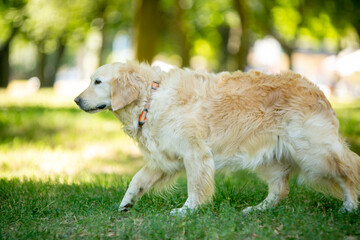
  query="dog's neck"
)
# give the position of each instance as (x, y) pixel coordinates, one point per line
(129, 115)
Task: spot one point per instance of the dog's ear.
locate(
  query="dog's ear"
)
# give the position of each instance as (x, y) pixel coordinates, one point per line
(123, 91)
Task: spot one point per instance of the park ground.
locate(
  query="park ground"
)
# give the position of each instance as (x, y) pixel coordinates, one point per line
(63, 173)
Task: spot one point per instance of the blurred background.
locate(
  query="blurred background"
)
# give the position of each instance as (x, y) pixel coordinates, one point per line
(63, 171)
(49, 48)
(59, 43)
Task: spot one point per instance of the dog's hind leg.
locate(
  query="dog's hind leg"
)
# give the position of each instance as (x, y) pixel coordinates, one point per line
(349, 195)
(277, 178)
(141, 182)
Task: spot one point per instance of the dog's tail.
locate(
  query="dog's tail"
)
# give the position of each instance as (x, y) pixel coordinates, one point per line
(349, 166)
(346, 166)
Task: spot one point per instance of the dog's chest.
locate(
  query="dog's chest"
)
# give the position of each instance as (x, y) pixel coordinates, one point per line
(159, 154)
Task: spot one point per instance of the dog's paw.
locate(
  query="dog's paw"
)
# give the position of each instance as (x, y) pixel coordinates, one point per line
(181, 212)
(125, 208)
(348, 207)
(248, 210)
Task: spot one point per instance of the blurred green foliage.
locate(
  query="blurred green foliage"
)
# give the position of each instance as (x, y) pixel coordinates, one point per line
(221, 31)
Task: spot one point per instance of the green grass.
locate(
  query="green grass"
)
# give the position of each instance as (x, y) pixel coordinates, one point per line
(63, 174)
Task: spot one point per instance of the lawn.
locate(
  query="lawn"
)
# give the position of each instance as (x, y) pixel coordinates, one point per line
(63, 174)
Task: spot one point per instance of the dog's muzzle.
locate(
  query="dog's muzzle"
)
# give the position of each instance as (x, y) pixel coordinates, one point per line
(80, 103)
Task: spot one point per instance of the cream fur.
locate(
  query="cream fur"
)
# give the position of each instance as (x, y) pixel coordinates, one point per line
(201, 122)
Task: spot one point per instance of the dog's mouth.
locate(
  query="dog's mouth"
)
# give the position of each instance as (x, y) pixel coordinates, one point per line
(83, 105)
(96, 109)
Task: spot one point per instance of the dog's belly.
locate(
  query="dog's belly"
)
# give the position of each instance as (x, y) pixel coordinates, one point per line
(236, 162)
(244, 160)
(254, 152)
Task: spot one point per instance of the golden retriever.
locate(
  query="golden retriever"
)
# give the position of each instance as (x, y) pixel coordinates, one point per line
(273, 125)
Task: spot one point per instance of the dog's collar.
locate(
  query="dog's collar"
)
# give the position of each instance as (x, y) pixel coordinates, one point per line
(142, 117)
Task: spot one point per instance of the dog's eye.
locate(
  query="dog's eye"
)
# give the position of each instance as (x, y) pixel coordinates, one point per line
(97, 82)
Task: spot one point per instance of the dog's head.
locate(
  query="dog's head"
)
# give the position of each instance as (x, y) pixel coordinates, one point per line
(112, 86)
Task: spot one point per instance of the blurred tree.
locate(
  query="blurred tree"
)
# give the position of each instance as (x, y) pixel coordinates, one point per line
(282, 20)
(343, 15)
(11, 19)
(181, 31)
(51, 25)
(295, 22)
(353, 14)
(206, 30)
(108, 17)
(147, 29)
(99, 15)
(243, 10)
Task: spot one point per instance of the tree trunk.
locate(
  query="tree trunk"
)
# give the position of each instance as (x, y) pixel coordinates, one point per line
(102, 52)
(48, 64)
(288, 47)
(357, 28)
(242, 10)
(57, 62)
(147, 29)
(244, 49)
(4, 64)
(224, 58)
(42, 58)
(181, 30)
(103, 31)
(4, 60)
(289, 51)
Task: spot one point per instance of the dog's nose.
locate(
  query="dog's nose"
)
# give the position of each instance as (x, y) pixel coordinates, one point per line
(77, 100)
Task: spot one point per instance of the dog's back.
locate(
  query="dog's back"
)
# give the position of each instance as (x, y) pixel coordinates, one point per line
(250, 112)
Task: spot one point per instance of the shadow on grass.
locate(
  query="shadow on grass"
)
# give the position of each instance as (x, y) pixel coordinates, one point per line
(34, 123)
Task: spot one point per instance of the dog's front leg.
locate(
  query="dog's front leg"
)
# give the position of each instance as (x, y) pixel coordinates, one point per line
(141, 182)
(200, 171)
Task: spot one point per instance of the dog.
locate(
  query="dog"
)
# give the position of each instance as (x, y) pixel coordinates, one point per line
(273, 125)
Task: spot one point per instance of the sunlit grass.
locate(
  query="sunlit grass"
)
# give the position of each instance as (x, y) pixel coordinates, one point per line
(46, 135)
(63, 173)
